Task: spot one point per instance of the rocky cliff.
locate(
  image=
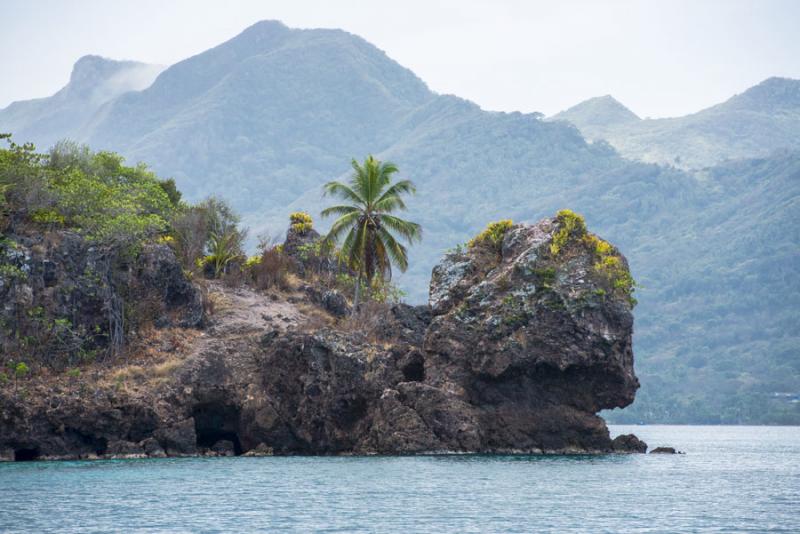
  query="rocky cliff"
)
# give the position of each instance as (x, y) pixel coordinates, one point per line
(526, 338)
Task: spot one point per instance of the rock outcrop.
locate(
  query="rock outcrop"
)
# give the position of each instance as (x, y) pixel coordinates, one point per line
(66, 299)
(522, 344)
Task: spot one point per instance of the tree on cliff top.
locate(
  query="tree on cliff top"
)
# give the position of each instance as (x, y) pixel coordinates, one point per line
(370, 245)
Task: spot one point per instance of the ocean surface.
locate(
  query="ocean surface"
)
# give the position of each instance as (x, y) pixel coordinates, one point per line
(731, 479)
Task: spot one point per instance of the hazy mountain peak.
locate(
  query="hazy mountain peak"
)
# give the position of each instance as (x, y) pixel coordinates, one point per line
(770, 95)
(598, 111)
(90, 68)
(265, 26)
(262, 35)
(101, 79)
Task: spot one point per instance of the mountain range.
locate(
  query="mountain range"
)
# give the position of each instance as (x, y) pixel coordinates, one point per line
(753, 124)
(704, 206)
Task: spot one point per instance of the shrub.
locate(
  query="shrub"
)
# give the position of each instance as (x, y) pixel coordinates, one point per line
(609, 264)
(492, 236)
(189, 230)
(272, 269)
(301, 222)
(598, 246)
(608, 261)
(223, 248)
(21, 370)
(571, 227)
(47, 217)
(252, 261)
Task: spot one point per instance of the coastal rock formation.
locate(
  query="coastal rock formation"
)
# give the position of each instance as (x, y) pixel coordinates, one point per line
(525, 339)
(75, 290)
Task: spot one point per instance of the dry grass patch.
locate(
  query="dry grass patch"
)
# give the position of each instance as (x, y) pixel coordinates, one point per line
(374, 320)
(292, 282)
(129, 372)
(167, 368)
(218, 301)
(313, 317)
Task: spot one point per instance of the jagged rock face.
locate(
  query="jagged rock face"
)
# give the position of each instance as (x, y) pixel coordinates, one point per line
(303, 247)
(60, 282)
(530, 313)
(530, 345)
(517, 352)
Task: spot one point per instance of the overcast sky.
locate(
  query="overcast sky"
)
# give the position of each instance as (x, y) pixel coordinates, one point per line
(659, 58)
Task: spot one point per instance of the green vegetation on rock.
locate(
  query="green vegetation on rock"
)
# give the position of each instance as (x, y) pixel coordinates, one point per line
(94, 194)
(571, 228)
(301, 222)
(492, 236)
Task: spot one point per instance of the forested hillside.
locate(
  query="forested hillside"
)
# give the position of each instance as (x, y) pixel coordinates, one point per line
(755, 123)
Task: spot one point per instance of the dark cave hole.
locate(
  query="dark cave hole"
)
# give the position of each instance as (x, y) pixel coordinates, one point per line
(100, 445)
(414, 370)
(26, 455)
(217, 421)
(348, 411)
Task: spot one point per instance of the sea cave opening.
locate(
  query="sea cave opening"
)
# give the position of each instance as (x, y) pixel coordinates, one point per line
(215, 422)
(26, 455)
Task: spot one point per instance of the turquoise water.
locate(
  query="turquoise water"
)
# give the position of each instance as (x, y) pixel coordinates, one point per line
(732, 479)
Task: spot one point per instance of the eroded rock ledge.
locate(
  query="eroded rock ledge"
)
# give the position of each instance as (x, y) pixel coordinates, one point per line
(523, 342)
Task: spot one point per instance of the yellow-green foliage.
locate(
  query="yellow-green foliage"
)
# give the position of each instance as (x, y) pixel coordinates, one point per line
(610, 265)
(301, 222)
(599, 246)
(47, 216)
(492, 235)
(608, 262)
(252, 261)
(571, 227)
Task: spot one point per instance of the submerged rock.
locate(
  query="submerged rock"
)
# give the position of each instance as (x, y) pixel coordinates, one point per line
(523, 343)
(664, 450)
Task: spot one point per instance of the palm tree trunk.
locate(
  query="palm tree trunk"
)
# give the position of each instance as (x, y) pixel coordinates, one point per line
(355, 298)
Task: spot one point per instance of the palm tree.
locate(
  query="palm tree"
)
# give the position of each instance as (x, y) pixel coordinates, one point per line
(370, 246)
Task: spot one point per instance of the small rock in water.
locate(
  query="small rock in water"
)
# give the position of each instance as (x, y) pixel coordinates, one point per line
(664, 450)
(260, 450)
(629, 443)
(224, 447)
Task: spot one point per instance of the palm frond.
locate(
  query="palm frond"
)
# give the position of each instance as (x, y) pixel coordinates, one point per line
(347, 252)
(411, 231)
(338, 189)
(338, 210)
(403, 187)
(360, 180)
(341, 225)
(382, 260)
(389, 204)
(396, 251)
